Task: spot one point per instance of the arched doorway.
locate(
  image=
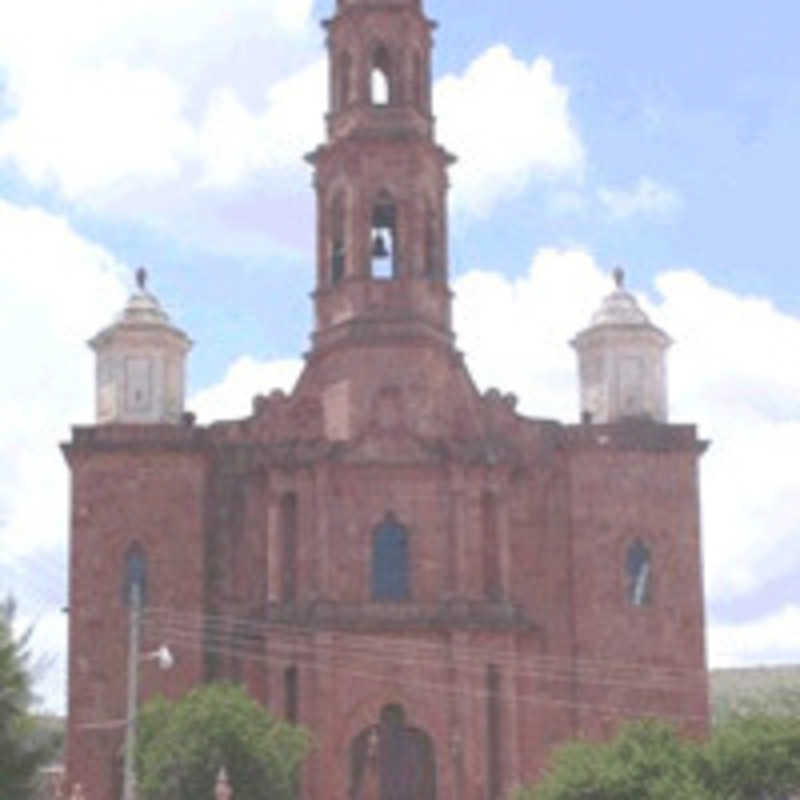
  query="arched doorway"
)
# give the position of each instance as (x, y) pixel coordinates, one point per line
(392, 760)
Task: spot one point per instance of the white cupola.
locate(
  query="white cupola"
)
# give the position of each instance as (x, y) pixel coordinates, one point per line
(140, 368)
(622, 361)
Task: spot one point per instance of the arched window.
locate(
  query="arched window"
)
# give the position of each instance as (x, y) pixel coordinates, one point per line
(338, 247)
(640, 572)
(390, 578)
(492, 582)
(380, 78)
(135, 575)
(288, 541)
(383, 251)
(344, 82)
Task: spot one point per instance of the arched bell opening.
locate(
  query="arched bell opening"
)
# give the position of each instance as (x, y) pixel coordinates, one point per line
(380, 79)
(383, 238)
(392, 760)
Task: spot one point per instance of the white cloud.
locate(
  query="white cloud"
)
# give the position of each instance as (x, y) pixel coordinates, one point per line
(58, 288)
(234, 143)
(773, 639)
(108, 100)
(646, 198)
(88, 31)
(110, 112)
(726, 372)
(246, 378)
(91, 130)
(508, 122)
(516, 333)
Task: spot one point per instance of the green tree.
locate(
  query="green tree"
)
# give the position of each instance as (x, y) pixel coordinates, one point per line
(22, 748)
(751, 757)
(755, 756)
(181, 747)
(646, 761)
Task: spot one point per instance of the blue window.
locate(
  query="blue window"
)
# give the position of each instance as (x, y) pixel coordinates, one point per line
(390, 562)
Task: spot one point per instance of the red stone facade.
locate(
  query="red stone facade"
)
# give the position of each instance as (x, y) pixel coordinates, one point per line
(513, 619)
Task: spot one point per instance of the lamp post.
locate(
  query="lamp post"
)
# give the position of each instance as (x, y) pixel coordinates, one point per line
(165, 661)
(129, 779)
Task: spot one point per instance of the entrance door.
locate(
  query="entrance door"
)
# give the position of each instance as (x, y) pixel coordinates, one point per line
(392, 761)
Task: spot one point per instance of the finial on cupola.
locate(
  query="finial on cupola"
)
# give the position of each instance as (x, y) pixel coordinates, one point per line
(141, 279)
(619, 277)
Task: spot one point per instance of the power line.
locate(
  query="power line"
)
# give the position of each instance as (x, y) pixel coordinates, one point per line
(196, 645)
(223, 628)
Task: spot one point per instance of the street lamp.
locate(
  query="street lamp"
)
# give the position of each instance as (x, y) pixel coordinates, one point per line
(163, 657)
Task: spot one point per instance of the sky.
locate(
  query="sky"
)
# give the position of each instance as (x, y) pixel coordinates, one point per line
(170, 133)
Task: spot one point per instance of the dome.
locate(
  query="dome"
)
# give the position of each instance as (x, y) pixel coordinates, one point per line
(620, 307)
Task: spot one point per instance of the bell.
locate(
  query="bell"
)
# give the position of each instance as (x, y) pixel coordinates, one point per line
(379, 247)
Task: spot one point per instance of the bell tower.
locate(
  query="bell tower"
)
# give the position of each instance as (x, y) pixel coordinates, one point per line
(381, 181)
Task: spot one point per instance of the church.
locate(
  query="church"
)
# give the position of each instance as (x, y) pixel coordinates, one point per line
(440, 589)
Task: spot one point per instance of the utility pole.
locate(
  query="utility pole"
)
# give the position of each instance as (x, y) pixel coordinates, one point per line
(129, 779)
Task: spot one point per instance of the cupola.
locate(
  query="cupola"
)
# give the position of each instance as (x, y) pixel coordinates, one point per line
(140, 363)
(622, 361)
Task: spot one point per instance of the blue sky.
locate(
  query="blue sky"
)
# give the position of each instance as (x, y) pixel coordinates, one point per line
(662, 137)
